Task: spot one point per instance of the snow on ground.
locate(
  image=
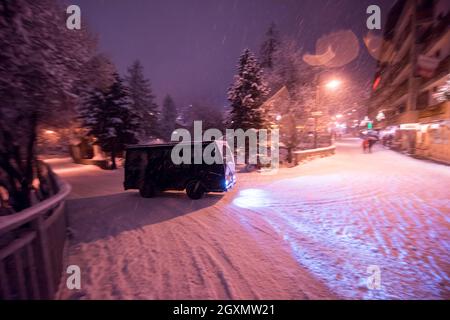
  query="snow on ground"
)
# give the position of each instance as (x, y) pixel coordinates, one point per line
(308, 232)
(342, 214)
(171, 247)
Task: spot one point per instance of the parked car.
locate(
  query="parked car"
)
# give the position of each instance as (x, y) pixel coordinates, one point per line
(150, 168)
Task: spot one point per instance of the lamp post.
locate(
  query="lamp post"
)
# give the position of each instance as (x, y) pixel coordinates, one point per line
(331, 85)
(316, 115)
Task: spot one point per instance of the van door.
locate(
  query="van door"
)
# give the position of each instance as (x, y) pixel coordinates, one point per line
(173, 175)
(135, 167)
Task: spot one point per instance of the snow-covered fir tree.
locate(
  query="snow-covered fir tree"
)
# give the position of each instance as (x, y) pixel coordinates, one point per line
(111, 120)
(169, 115)
(212, 116)
(142, 101)
(98, 73)
(247, 94)
(288, 66)
(291, 76)
(269, 47)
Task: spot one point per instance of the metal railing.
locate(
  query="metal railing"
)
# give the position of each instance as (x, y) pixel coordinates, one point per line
(31, 249)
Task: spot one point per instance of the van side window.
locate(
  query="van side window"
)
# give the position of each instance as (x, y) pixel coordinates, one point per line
(136, 158)
(155, 154)
(168, 163)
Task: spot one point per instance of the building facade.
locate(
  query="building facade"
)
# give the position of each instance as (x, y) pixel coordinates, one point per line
(414, 63)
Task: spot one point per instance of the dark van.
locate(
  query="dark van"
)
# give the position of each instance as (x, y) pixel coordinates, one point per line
(150, 168)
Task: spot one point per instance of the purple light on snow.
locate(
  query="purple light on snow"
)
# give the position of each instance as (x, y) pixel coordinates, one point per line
(252, 198)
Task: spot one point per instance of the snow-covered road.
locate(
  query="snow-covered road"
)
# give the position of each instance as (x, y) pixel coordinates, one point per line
(308, 232)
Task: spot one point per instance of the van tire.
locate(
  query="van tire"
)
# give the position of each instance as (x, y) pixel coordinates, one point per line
(195, 190)
(147, 190)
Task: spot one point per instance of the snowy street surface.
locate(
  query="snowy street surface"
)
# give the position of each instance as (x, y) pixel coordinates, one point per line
(308, 232)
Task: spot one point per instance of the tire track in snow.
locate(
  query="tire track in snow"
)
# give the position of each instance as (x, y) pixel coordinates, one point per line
(397, 218)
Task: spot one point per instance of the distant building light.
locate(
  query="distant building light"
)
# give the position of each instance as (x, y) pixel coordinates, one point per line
(380, 116)
(434, 126)
(424, 128)
(365, 121)
(410, 126)
(376, 83)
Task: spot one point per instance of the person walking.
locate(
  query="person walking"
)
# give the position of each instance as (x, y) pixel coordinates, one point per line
(365, 144)
(371, 140)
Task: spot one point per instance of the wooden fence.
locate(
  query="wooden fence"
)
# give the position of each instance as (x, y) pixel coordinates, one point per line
(31, 249)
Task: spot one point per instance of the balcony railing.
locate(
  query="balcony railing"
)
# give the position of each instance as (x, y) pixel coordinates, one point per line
(31, 249)
(399, 92)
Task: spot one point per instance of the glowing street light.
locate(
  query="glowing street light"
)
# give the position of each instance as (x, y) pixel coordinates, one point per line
(330, 85)
(333, 84)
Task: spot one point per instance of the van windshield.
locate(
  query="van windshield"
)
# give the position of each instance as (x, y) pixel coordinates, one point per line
(229, 154)
(225, 151)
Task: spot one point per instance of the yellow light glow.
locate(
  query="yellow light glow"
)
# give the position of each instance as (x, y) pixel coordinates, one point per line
(333, 84)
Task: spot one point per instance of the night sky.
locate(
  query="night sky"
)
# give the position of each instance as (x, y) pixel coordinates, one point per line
(190, 48)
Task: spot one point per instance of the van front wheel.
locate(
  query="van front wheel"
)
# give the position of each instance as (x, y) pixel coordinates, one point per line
(195, 190)
(147, 190)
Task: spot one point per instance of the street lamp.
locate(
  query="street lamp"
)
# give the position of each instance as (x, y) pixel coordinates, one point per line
(330, 85)
(333, 84)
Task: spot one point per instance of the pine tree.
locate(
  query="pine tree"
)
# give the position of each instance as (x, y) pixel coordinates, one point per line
(269, 47)
(288, 65)
(168, 118)
(290, 74)
(210, 115)
(111, 120)
(91, 112)
(247, 94)
(142, 101)
(98, 73)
